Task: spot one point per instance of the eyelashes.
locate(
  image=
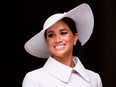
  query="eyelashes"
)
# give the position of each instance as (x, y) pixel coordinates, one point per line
(51, 35)
(64, 33)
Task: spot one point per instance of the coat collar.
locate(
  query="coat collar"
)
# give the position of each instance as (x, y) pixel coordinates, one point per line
(63, 72)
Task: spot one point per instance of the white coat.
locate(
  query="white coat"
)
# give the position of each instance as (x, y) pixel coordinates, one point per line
(56, 74)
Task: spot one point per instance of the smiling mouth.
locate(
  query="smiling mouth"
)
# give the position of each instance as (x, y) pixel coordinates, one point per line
(59, 46)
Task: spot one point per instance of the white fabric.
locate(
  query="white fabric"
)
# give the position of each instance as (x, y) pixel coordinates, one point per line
(82, 16)
(56, 74)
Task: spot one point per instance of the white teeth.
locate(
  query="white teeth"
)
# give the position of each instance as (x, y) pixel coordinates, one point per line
(59, 47)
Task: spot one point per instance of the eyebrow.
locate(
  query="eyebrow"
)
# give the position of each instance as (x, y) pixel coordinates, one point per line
(64, 29)
(60, 31)
(50, 32)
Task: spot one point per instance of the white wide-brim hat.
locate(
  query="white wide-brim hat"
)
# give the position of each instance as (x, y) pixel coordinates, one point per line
(83, 18)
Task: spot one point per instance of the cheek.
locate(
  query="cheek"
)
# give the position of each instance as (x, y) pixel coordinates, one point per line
(49, 42)
(69, 39)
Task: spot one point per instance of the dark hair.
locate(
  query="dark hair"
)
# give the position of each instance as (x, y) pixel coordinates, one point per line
(76, 48)
(72, 26)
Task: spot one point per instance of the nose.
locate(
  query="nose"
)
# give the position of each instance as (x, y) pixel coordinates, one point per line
(58, 39)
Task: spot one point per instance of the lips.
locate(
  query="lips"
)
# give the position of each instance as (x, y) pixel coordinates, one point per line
(59, 46)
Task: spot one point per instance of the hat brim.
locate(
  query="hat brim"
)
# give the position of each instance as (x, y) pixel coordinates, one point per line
(82, 16)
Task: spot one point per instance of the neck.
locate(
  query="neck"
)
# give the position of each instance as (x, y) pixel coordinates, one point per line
(67, 60)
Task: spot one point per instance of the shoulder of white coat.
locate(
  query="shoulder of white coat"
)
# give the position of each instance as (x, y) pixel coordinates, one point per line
(34, 73)
(31, 78)
(95, 78)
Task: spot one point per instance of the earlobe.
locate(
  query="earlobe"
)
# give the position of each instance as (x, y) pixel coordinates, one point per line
(76, 37)
(74, 43)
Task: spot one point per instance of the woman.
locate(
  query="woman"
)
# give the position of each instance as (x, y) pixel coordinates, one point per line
(56, 41)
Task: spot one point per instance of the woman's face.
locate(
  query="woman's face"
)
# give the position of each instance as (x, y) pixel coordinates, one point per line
(60, 39)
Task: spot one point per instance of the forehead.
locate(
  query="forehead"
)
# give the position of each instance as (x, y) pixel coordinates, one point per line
(60, 25)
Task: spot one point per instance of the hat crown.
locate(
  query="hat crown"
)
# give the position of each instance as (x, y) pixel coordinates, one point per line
(84, 20)
(52, 19)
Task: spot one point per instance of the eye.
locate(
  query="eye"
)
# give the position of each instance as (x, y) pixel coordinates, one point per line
(64, 33)
(51, 35)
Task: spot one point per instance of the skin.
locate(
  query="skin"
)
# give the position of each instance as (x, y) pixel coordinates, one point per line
(60, 41)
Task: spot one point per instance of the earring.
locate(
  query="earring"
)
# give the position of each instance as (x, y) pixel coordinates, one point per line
(74, 43)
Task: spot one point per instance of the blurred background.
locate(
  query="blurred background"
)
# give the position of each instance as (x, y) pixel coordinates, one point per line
(21, 19)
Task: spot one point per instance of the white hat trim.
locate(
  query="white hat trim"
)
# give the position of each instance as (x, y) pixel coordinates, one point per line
(82, 16)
